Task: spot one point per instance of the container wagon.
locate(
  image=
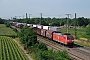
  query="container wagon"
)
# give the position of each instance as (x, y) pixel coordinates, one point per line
(49, 34)
(38, 31)
(43, 32)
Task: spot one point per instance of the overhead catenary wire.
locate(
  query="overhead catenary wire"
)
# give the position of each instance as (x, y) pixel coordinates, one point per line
(67, 22)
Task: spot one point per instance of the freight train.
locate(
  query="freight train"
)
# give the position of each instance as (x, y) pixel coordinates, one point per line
(54, 33)
(50, 32)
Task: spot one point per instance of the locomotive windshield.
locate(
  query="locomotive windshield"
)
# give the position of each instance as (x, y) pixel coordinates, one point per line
(70, 37)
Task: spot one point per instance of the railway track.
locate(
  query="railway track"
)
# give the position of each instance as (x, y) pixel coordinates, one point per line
(76, 53)
(87, 49)
(82, 52)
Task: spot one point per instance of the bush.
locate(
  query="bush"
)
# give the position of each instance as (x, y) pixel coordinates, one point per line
(52, 55)
(28, 36)
(7, 24)
(42, 46)
(14, 29)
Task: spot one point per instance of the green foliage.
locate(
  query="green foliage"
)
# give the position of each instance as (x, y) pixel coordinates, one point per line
(28, 36)
(40, 52)
(44, 23)
(55, 24)
(88, 30)
(2, 21)
(14, 29)
(51, 55)
(63, 54)
(41, 46)
(7, 24)
(45, 55)
(81, 21)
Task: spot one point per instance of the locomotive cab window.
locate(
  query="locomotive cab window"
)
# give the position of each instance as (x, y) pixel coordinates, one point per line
(69, 37)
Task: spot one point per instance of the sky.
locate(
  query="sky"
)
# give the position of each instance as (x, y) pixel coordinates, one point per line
(48, 8)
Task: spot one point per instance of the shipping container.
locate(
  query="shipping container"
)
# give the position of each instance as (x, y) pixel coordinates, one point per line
(28, 25)
(46, 27)
(31, 25)
(34, 25)
(43, 32)
(39, 26)
(49, 34)
(14, 23)
(57, 29)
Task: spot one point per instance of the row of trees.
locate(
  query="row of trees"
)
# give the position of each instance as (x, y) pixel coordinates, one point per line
(56, 21)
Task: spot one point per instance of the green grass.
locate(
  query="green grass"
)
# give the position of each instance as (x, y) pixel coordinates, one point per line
(9, 50)
(87, 44)
(6, 31)
(80, 32)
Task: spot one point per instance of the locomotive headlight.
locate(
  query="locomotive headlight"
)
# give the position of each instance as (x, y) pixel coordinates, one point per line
(72, 40)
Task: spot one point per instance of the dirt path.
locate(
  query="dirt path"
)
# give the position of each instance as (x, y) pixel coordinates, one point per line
(27, 55)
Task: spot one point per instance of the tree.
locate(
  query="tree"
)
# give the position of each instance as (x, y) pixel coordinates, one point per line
(42, 46)
(2, 21)
(44, 23)
(61, 55)
(7, 24)
(82, 21)
(55, 23)
(28, 36)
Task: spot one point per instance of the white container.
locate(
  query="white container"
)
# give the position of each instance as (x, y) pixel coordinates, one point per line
(34, 25)
(46, 27)
(39, 26)
(55, 29)
(28, 25)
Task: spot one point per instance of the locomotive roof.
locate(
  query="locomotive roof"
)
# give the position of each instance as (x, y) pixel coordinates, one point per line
(67, 34)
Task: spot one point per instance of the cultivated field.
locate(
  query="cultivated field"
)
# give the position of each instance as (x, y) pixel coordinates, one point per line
(6, 31)
(9, 50)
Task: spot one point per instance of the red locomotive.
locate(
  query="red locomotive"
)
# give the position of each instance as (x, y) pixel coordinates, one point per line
(66, 39)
